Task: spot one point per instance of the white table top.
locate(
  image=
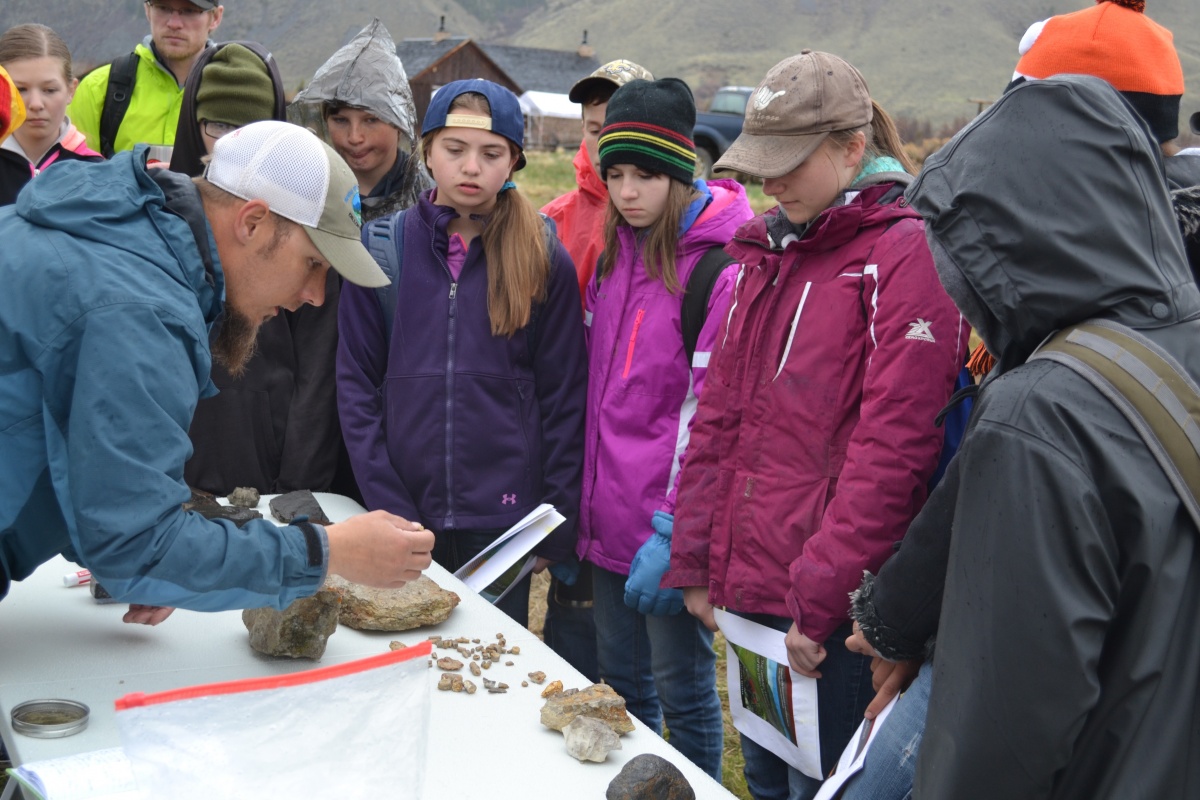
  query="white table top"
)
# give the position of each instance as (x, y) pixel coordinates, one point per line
(59, 643)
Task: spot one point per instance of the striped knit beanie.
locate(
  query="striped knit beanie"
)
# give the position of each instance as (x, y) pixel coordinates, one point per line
(12, 109)
(649, 124)
(1116, 41)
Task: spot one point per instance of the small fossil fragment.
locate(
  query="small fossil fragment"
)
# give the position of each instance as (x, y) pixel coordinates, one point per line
(515, 650)
(244, 497)
(456, 682)
(487, 664)
(538, 677)
(469, 686)
(508, 663)
(475, 657)
(462, 640)
(475, 668)
(449, 664)
(474, 641)
(396, 645)
(524, 683)
(554, 688)
(444, 682)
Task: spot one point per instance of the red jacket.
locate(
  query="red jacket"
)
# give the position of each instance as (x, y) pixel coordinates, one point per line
(579, 215)
(814, 441)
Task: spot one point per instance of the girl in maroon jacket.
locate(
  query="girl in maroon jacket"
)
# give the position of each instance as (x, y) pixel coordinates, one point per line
(815, 439)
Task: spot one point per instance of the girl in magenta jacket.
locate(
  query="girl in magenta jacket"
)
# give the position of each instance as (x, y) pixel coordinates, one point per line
(815, 438)
(641, 399)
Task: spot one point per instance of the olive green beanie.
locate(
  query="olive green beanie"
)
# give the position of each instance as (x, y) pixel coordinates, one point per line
(236, 88)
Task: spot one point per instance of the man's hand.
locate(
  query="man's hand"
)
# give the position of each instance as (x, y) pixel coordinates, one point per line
(379, 549)
(803, 653)
(146, 615)
(540, 565)
(695, 599)
(889, 678)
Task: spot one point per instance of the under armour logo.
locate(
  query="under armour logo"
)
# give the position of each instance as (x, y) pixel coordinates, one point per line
(509, 500)
(920, 330)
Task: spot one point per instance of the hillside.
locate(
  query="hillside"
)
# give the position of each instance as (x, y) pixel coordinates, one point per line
(922, 58)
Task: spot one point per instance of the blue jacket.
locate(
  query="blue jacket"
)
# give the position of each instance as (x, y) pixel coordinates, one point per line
(448, 424)
(111, 281)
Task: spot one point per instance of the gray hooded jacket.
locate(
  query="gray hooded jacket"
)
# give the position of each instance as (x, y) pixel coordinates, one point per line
(1067, 663)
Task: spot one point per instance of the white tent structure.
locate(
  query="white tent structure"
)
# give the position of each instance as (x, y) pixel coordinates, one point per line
(541, 108)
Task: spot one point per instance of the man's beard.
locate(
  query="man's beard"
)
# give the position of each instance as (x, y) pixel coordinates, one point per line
(236, 342)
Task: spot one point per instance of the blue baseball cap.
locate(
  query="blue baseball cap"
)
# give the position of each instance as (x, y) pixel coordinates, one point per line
(506, 120)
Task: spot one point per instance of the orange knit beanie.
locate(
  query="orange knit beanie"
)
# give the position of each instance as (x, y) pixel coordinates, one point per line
(1116, 41)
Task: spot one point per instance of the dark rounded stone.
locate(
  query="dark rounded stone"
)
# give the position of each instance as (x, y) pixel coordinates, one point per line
(649, 777)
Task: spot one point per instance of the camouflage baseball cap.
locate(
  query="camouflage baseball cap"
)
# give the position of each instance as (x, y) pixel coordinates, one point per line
(616, 73)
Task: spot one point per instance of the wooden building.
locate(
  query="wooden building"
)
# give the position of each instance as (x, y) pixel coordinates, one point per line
(432, 63)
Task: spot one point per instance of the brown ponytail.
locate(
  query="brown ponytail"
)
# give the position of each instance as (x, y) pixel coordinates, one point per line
(883, 139)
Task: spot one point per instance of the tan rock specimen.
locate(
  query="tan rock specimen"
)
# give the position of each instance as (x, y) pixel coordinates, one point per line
(554, 688)
(598, 701)
(299, 631)
(418, 603)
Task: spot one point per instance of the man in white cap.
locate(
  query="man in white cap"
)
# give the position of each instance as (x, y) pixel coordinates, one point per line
(114, 275)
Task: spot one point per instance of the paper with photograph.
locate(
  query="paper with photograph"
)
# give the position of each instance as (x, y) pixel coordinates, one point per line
(769, 702)
(507, 560)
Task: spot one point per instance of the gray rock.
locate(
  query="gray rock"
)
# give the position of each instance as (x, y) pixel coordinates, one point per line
(286, 507)
(419, 603)
(590, 739)
(299, 631)
(649, 777)
(598, 701)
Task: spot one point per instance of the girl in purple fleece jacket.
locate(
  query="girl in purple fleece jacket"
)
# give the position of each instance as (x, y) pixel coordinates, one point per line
(641, 398)
(468, 413)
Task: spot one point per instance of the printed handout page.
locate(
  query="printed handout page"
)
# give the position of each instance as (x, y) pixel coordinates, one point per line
(769, 702)
(494, 571)
(855, 754)
(98, 775)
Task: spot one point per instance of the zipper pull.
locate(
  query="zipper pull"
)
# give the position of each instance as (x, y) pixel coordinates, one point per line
(453, 290)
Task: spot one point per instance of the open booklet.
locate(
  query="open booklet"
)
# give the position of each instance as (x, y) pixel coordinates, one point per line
(769, 702)
(98, 775)
(504, 562)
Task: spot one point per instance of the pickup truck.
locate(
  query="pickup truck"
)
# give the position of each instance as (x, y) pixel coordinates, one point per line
(717, 128)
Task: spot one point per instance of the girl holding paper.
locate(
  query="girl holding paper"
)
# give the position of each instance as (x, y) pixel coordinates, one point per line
(465, 409)
(815, 438)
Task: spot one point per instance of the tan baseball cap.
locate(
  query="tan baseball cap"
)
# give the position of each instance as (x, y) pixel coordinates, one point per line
(799, 103)
(617, 73)
(302, 179)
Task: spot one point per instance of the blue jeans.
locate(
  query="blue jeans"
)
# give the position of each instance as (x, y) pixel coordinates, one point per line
(843, 694)
(891, 763)
(665, 668)
(454, 548)
(571, 624)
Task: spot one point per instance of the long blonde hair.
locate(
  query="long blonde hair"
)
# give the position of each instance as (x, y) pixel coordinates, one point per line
(659, 242)
(514, 244)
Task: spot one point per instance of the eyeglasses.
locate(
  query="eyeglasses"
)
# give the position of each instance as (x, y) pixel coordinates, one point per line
(185, 14)
(217, 129)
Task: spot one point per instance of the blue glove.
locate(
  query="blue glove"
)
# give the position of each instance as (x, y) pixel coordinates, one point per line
(642, 591)
(566, 571)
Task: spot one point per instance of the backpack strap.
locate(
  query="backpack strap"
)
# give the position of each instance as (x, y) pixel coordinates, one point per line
(122, 76)
(384, 239)
(696, 295)
(1148, 386)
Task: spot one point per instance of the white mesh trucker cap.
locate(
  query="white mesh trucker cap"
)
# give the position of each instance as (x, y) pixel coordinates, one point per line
(303, 179)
